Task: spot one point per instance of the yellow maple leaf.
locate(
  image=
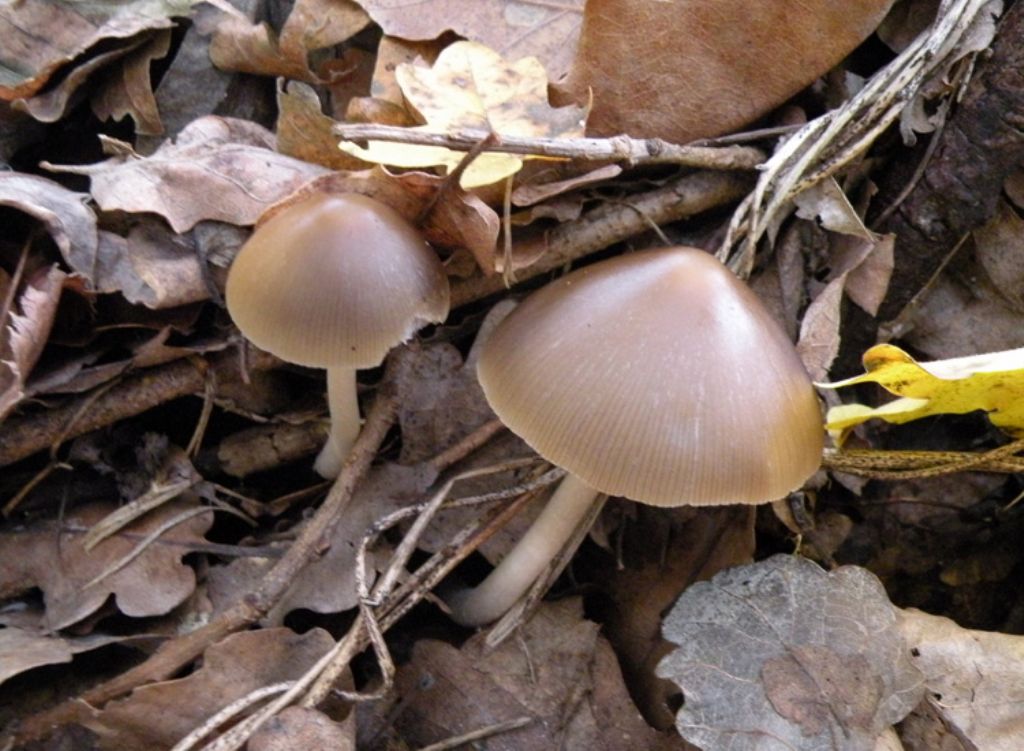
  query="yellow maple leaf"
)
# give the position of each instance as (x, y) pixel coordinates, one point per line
(993, 382)
(471, 87)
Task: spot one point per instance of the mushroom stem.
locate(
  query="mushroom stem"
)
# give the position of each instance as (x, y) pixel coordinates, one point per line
(518, 570)
(343, 403)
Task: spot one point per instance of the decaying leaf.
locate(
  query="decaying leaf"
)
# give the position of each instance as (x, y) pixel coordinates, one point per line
(129, 90)
(545, 675)
(993, 382)
(217, 168)
(827, 202)
(53, 558)
(706, 68)
(472, 87)
(28, 59)
(304, 131)
(22, 649)
(301, 727)
(23, 337)
(973, 679)
(160, 714)
(815, 659)
(514, 28)
(241, 45)
(999, 249)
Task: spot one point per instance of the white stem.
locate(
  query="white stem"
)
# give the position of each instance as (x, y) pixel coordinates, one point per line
(344, 406)
(518, 570)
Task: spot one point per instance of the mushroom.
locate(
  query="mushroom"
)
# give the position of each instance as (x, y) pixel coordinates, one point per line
(335, 281)
(657, 376)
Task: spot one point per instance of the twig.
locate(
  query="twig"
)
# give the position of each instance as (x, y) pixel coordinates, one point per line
(475, 735)
(178, 652)
(451, 180)
(225, 714)
(905, 465)
(611, 223)
(615, 149)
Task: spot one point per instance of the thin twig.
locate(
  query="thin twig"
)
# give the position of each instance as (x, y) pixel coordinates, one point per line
(475, 735)
(904, 465)
(615, 149)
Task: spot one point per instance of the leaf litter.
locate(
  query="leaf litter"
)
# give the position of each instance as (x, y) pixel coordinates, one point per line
(118, 296)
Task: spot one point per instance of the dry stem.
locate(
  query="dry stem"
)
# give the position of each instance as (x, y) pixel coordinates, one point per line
(616, 149)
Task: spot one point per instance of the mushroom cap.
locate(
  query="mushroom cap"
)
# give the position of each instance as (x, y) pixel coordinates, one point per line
(658, 376)
(335, 281)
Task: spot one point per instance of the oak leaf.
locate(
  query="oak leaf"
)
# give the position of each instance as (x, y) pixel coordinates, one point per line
(471, 87)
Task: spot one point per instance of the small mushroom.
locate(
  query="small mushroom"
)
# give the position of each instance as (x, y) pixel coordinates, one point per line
(657, 376)
(335, 281)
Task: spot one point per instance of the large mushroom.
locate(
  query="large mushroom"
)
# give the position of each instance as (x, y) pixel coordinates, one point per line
(335, 281)
(657, 376)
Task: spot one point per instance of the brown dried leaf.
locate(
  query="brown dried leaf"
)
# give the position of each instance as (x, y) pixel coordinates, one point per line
(160, 714)
(395, 51)
(973, 679)
(240, 45)
(515, 28)
(532, 193)
(54, 560)
(22, 649)
(218, 168)
(706, 68)
(68, 220)
(664, 551)
(41, 36)
(304, 131)
(22, 338)
(818, 344)
(906, 21)
(559, 659)
(457, 220)
(129, 91)
(302, 728)
(999, 248)
(811, 656)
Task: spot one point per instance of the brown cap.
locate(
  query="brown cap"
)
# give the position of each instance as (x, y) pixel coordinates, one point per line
(335, 280)
(658, 376)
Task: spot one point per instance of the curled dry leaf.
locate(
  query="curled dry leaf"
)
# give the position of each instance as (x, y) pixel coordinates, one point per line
(218, 168)
(240, 45)
(304, 131)
(160, 714)
(972, 678)
(41, 36)
(514, 28)
(707, 68)
(24, 335)
(544, 675)
(457, 220)
(816, 659)
(63, 212)
(53, 558)
(470, 87)
(130, 91)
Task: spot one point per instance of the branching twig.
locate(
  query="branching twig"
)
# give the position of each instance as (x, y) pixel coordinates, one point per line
(615, 149)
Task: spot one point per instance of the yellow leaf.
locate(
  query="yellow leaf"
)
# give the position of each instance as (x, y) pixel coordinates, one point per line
(471, 87)
(993, 382)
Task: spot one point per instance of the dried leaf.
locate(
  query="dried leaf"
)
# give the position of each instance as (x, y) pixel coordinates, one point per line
(63, 212)
(819, 330)
(129, 91)
(992, 382)
(472, 87)
(53, 559)
(22, 338)
(158, 715)
(240, 45)
(218, 168)
(303, 728)
(514, 28)
(999, 248)
(706, 68)
(22, 650)
(447, 691)
(28, 57)
(304, 131)
(973, 679)
(827, 202)
(812, 657)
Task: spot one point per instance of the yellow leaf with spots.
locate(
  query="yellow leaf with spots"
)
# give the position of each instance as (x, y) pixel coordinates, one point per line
(992, 382)
(471, 87)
